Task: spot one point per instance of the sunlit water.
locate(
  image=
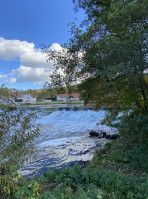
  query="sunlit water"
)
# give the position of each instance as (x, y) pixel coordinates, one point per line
(64, 139)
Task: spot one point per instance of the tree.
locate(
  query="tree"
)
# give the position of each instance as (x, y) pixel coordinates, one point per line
(113, 44)
(17, 131)
(110, 55)
(4, 91)
(65, 76)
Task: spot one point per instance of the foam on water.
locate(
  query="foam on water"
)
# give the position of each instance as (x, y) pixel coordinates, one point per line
(73, 116)
(71, 122)
(56, 142)
(64, 138)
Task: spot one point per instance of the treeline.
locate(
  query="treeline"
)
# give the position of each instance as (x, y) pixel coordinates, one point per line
(41, 94)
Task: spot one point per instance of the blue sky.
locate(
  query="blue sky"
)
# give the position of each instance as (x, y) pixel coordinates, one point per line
(25, 25)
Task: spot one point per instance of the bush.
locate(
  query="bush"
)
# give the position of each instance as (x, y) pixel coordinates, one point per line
(114, 185)
(28, 191)
(17, 132)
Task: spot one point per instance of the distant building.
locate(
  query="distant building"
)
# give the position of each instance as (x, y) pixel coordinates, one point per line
(25, 98)
(67, 97)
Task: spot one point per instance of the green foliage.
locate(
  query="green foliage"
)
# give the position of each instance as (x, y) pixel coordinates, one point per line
(116, 58)
(83, 183)
(116, 184)
(61, 192)
(50, 176)
(133, 153)
(64, 192)
(127, 154)
(108, 55)
(132, 148)
(9, 184)
(4, 91)
(28, 191)
(17, 132)
(134, 125)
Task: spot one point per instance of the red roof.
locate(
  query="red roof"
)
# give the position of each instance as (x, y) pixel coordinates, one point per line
(33, 96)
(65, 95)
(20, 95)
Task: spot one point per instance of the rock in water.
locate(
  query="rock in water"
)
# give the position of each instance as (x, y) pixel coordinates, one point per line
(93, 133)
(102, 134)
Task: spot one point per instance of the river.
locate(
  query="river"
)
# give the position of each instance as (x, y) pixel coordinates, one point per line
(64, 139)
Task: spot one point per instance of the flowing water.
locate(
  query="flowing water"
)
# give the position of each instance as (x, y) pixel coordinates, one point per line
(64, 139)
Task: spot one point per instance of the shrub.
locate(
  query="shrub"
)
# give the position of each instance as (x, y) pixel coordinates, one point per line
(114, 185)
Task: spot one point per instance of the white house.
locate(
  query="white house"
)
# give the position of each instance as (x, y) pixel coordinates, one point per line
(25, 98)
(67, 97)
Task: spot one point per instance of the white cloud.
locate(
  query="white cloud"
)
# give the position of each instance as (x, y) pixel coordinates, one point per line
(10, 49)
(26, 52)
(12, 80)
(28, 74)
(3, 76)
(37, 83)
(34, 59)
(33, 62)
(56, 46)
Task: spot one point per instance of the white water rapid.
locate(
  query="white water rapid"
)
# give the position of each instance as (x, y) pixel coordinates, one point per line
(64, 138)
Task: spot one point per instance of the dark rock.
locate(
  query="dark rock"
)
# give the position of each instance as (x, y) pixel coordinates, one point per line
(60, 109)
(93, 133)
(75, 108)
(102, 134)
